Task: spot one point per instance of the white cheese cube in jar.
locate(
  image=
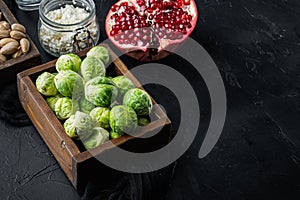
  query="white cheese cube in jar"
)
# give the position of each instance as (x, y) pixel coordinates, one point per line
(67, 26)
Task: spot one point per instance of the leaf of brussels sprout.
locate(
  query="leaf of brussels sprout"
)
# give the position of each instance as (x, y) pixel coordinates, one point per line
(115, 135)
(45, 84)
(98, 136)
(124, 84)
(85, 105)
(63, 108)
(83, 124)
(139, 101)
(102, 95)
(51, 101)
(142, 121)
(92, 67)
(99, 52)
(69, 83)
(68, 62)
(123, 119)
(100, 116)
(70, 127)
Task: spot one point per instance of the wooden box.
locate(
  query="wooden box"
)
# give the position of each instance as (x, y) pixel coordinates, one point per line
(10, 68)
(79, 165)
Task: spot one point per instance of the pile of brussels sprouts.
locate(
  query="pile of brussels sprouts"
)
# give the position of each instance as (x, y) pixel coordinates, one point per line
(92, 106)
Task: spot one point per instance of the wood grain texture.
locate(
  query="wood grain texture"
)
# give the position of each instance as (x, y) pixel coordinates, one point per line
(10, 68)
(79, 165)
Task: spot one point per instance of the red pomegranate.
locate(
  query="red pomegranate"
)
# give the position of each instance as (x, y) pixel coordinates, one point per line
(150, 29)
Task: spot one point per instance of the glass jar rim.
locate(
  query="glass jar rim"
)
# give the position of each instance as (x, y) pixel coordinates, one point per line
(59, 25)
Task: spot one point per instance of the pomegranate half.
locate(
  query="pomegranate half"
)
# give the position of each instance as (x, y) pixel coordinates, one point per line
(150, 29)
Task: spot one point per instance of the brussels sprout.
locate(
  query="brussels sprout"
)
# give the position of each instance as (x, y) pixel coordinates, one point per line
(63, 108)
(101, 80)
(142, 121)
(124, 84)
(69, 83)
(98, 136)
(122, 119)
(85, 105)
(83, 124)
(45, 84)
(51, 101)
(70, 127)
(114, 135)
(102, 95)
(92, 67)
(99, 52)
(68, 62)
(100, 116)
(139, 100)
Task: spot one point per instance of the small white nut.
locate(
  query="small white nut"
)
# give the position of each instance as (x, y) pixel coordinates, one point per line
(9, 48)
(17, 35)
(25, 45)
(18, 27)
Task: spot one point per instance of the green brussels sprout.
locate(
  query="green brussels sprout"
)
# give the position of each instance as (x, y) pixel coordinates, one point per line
(100, 116)
(99, 52)
(102, 95)
(69, 83)
(68, 62)
(142, 121)
(92, 67)
(139, 100)
(115, 135)
(122, 119)
(85, 105)
(98, 136)
(51, 101)
(124, 84)
(45, 84)
(83, 124)
(101, 80)
(70, 127)
(63, 108)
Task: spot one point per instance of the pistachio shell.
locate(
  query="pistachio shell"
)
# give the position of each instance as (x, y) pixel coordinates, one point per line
(4, 33)
(17, 35)
(25, 45)
(17, 53)
(18, 27)
(9, 48)
(2, 58)
(4, 25)
(4, 41)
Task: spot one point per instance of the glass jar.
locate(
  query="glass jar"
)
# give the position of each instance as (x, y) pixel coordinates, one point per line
(67, 26)
(28, 5)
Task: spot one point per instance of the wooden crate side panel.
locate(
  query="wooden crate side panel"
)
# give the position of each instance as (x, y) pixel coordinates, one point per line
(61, 146)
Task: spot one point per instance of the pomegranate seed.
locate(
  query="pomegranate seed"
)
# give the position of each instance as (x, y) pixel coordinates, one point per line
(186, 2)
(133, 42)
(121, 41)
(124, 4)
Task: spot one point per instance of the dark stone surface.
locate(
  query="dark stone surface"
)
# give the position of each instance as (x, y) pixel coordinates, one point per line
(256, 46)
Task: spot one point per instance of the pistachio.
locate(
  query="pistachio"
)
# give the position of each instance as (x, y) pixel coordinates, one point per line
(9, 48)
(25, 45)
(18, 27)
(4, 41)
(17, 53)
(2, 58)
(4, 25)
(4, 33)
(17, 35)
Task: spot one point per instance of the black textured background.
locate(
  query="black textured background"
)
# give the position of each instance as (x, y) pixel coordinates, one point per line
(256, 45)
